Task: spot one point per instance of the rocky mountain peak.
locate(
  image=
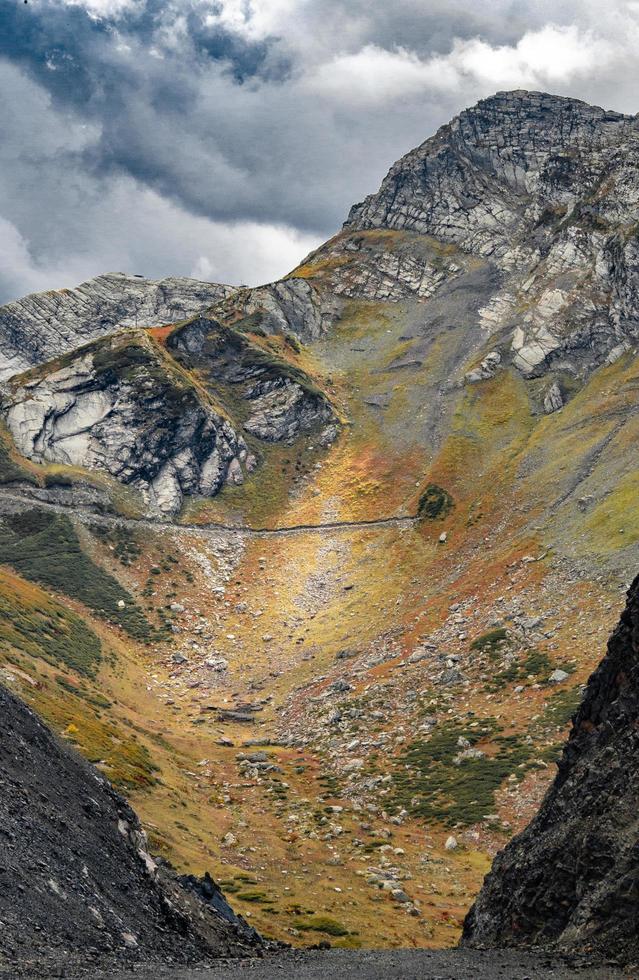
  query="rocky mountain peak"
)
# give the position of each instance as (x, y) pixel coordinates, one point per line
(544, 190)
(530, 126)
(512, 144)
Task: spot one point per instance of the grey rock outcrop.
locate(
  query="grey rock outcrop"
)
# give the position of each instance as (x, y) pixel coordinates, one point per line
(120, 406)
(281, 401)
(487, 369)
(77, 877)
(367, 266)
(545, 189)
(289, 306)
(41, 326)
(553, 399)
(570, 881)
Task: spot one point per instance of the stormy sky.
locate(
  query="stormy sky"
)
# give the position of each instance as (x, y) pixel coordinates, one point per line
(223, 139)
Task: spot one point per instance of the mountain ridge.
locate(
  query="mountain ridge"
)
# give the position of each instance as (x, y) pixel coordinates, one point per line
(375, 707)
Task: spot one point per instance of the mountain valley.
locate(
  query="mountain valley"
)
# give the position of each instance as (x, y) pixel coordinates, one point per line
(315, 573)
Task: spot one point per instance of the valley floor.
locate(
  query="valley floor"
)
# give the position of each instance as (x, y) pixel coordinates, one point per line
(456, 964)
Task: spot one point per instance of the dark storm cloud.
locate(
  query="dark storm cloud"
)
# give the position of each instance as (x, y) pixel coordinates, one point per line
(75, 55)
(275, 113)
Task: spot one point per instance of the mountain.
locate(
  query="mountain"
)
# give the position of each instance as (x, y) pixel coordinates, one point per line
(123, 406)
(569, 880)
(44, 325)
(77, 876)
(316, 573)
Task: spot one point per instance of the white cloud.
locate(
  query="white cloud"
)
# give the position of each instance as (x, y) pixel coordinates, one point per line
(375, 76)
(174, 167)
(250, 253)
(21, 273)
(103, 8)
(255, 19)
(543, 58)
(136, 230)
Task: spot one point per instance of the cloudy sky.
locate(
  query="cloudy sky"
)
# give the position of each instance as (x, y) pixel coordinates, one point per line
(223, 139)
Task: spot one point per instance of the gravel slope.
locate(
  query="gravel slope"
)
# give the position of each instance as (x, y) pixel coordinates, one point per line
(454, 964)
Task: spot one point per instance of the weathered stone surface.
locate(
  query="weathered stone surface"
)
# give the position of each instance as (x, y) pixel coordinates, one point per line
(518, 140)
(553, 399)
(121, 407)
(289, 306)
(544, 187)
(44, 325)
(281, 409)
(369, 266)
(571, 879)
(281, 400)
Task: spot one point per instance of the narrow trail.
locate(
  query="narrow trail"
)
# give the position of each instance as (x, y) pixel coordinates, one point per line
(214, 526)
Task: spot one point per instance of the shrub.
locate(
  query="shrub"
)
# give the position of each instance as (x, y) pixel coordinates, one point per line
(434, 503)
(433, 786)
(10, 471)
(51, 632)
(293, 342)
(489, 641)
(253, 896)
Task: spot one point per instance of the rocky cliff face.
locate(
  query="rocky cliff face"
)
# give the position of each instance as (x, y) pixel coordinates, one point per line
(542, 188)
(44, 325)
(122, 407)
(75, 870)
(571, 879)
(279, 401)
(289, 306)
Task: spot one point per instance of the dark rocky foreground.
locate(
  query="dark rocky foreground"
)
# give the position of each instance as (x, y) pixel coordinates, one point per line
(77, 885)
(405, 964)
(570, 881)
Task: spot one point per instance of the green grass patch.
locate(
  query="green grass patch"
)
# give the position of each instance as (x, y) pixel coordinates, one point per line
(43, 547)
(433, 786)
(50, 632)
(10, 470)
(321, 923)
(560, 708)
(253, 895)
(490, 641)
(123, 542)
(535, 663)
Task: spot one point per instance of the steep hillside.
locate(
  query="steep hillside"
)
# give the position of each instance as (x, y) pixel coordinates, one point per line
(44, 325)
(77, 878)
(359, 663)
(542, 192)
(122, 406)
(570, 879)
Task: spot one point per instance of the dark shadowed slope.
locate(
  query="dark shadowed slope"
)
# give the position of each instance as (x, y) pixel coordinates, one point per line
(76, 880)
(570, 881)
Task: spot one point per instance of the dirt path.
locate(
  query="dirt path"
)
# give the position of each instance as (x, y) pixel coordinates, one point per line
(252, 532)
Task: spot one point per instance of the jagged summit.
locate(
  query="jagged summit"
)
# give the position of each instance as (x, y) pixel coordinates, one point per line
(529, 142)
(41, 326)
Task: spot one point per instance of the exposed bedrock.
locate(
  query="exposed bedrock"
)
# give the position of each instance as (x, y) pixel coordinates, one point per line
(44, 325)
(570, 881)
